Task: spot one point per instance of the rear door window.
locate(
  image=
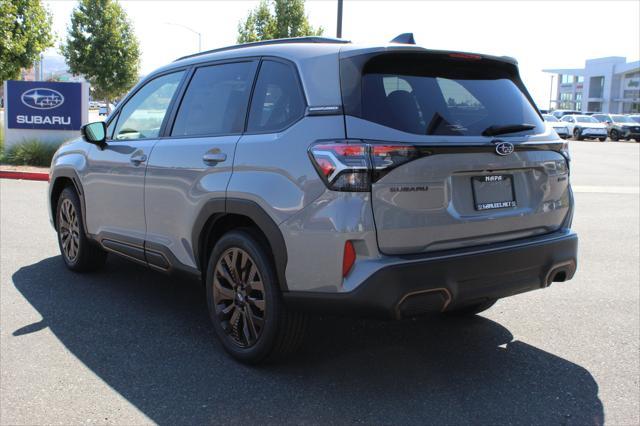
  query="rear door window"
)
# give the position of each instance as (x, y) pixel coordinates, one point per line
(277, 100)
(215, 103)
(421, 94)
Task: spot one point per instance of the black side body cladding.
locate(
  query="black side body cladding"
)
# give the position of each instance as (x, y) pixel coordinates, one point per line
(75, 179)
(214, 210)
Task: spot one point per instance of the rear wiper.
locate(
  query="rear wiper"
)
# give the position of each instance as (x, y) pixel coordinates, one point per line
(508, 128)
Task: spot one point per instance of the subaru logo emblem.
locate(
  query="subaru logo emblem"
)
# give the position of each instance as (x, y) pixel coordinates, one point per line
(42, 98)
(504, 148)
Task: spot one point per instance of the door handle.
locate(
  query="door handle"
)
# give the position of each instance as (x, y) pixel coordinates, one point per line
(138, 159)
(213, 158)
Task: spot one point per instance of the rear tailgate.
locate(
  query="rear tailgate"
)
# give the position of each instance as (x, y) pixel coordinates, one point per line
(461, 186)
(448, 200)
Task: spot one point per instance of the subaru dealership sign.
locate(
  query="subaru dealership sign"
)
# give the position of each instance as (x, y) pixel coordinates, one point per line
(44, 105)
(43, 110)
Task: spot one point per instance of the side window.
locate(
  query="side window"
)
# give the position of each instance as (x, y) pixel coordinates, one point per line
(142, 115)
(215, 101)
(277, 99)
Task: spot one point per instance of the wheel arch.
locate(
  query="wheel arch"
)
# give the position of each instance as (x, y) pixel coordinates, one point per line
(219, 216)
(60, 179)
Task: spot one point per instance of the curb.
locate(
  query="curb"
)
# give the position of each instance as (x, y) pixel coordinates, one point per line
(5, 174)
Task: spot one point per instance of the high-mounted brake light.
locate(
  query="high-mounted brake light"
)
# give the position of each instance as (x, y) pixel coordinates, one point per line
(353, 165)
(465, 56)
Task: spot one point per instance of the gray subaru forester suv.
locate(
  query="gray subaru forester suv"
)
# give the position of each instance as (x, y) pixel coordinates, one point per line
(313, 174)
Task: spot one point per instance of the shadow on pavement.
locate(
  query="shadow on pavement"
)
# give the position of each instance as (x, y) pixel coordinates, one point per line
(148, 337)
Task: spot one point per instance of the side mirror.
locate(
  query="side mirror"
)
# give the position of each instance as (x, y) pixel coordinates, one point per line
(95, 133)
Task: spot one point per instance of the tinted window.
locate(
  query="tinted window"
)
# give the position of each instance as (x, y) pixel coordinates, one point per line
(142, 115)
(621, 119)
(215, 101)
(422, 95)
(549, 118)
(585, 119)
(277, 100)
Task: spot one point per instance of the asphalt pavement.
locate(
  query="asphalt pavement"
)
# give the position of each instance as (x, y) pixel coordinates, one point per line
(131, 346)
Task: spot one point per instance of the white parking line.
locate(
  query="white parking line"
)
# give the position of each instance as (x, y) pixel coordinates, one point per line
(607, 189)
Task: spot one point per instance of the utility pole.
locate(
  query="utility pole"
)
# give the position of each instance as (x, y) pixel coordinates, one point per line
(339, 30)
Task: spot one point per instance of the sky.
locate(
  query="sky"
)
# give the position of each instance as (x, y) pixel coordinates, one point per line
(539, 34)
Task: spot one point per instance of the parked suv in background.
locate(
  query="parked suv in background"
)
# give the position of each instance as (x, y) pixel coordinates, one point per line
(316, 175)
(559, 113)
(561, 128)
(620, 126)
(585, 127)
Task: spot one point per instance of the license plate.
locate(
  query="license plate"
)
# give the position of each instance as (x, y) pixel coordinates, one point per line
(493, 192)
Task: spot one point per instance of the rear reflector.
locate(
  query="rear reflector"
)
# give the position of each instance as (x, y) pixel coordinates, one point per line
(348, 258)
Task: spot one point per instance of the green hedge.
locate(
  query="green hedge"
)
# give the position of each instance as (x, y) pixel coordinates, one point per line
(30, 153)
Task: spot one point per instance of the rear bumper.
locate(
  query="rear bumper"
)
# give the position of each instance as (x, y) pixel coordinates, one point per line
(449, 280)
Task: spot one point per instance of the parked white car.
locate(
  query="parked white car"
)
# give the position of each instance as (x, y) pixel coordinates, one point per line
(560, 127)
(585, 127)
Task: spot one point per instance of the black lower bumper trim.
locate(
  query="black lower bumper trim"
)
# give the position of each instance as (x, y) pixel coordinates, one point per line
(445, 282)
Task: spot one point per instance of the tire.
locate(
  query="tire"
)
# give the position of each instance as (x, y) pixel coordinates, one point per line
(78, 252)
(247, 312)
(614, 135)
(576, 134)
(602, 139)
(474, 309)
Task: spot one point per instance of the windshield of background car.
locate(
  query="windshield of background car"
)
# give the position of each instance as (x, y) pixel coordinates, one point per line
(550, 118)
(635, 118)
(586, 120)
(440, 94)
(622, 119)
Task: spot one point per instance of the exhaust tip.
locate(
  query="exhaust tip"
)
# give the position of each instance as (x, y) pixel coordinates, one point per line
(423, 302)
(560, 273)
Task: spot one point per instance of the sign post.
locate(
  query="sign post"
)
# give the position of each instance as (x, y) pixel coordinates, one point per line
(47, 111)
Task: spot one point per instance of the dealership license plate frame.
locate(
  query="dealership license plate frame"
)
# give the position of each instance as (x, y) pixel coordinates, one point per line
(480, 201)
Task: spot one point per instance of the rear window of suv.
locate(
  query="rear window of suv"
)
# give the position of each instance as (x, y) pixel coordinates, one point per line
(430, 94)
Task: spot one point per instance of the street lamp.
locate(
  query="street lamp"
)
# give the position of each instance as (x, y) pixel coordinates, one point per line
(189, 29)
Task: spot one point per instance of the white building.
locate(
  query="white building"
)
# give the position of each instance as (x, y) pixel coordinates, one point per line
(604, 85)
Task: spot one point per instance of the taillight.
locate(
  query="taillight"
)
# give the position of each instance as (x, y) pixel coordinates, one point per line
(353, 165)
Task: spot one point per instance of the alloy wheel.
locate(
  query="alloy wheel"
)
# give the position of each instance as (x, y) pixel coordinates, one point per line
(69, 229)
(239, 297)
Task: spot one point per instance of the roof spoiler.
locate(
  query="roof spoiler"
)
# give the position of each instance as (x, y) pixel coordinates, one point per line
(404, 38)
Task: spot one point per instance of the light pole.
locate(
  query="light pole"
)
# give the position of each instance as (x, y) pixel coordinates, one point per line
(551, 93)
(189, 29)
(339, 28)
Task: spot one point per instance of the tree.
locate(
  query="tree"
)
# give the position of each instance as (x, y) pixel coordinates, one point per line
(276, 19)
(101, 45)
(25, 32)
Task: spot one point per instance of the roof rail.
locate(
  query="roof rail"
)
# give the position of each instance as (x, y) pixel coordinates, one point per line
(311, 39)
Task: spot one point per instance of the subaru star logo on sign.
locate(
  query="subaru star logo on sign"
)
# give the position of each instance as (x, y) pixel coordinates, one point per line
(42, 98)
(44, 105)
(504, 148)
